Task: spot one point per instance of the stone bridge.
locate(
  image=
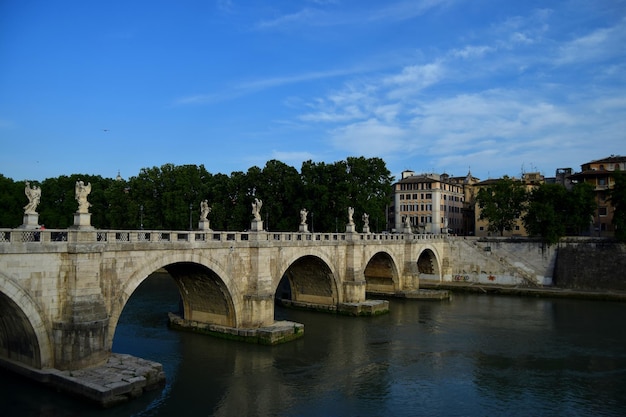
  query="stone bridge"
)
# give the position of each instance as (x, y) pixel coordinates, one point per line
(62, 291)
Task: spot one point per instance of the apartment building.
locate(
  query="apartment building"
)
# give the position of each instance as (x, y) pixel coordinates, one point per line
(430, 203)
(599, 173)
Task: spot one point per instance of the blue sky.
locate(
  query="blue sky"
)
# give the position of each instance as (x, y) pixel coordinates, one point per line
(495, 86)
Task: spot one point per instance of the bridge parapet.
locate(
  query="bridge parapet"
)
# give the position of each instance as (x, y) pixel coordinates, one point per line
(195, 237)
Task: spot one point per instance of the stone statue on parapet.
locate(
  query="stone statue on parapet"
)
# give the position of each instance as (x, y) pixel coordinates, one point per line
(81, 192)
(34, 195)
(256, 209)
(303, 214)
(407, 224)
(205, 210)
(350, 214)
(366, 219)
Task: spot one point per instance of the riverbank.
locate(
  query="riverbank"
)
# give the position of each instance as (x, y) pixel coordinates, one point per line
(539, 291)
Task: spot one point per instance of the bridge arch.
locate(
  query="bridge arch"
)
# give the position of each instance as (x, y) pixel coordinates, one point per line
(428, 264)
(311, 279)
(200, 280)
(381, 274)
(23, 333)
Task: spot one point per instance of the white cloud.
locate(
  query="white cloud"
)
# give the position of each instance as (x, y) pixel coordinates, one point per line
(369, 138)
(447, 112)
(597, 45)
(414, 79)
(471, 51)
(304, 16)
(522, 30)
(338, 15)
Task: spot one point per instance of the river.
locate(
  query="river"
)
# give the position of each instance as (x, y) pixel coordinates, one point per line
(476, 355)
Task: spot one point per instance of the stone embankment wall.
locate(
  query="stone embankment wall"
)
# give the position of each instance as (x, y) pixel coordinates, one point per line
(585, 264)
(503, 261)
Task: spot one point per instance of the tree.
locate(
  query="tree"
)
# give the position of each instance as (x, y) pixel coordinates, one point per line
(58, 200)
(12, 201)
(617, 196)
(361, 183)
(280, 187)
(370, 188)
(546, 212)
(553, 211)
(317, 198)
(580, 208)
(170, 195)
(121, 209)
(501, 204)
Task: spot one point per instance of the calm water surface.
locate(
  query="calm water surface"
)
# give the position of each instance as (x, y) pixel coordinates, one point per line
(476, 355)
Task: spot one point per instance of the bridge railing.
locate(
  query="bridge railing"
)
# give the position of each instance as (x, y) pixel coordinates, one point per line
(28, 235)
(148, 236)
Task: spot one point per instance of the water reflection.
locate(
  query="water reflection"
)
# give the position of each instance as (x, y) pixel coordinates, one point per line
(474, 355)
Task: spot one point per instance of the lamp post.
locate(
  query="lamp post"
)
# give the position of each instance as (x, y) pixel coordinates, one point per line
(312, 223)
(141, 217)
(190, 208)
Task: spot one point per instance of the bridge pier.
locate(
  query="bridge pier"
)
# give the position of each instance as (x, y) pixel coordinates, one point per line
(354, 291)
(81, 334)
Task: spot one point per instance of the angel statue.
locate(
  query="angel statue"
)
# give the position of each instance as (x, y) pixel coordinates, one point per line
(82, 191)
(205, 210)
(256, 209)
(350, 214)
(34, 195)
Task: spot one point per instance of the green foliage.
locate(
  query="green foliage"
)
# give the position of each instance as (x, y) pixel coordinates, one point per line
(362, 183)
(58, 203)
(618, 200)
(168, 197)
(501, 204)
(553, 211)
(547, 212)
(280, 186)
(580, 208)
(12, 201)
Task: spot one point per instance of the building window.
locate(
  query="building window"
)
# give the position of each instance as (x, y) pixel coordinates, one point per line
(602, 211)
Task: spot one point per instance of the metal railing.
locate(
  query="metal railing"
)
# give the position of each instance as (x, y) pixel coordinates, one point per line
(8, 236)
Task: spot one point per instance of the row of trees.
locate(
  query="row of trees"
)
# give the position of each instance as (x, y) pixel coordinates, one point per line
(168, 197)
(549, 211)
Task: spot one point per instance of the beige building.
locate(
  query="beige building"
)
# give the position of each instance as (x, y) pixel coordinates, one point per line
(599, 173)
(469, 201)
(530, 180)
(431, 203)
